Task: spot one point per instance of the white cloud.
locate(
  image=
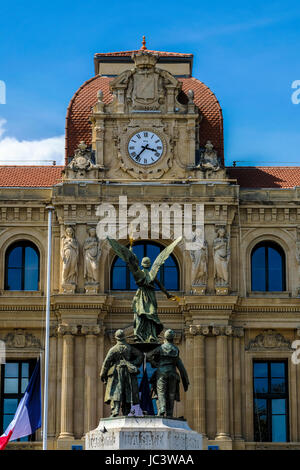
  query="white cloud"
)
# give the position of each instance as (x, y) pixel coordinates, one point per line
(30, 152)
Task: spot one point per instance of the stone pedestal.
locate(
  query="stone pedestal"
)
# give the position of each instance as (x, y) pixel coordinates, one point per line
(143, 433)
(91, 288)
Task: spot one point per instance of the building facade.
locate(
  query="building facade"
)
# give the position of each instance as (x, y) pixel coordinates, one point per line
(144, 153)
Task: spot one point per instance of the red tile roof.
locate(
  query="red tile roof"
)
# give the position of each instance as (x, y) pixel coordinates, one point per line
(266, 176)
(30, 176)
(247, 177)
(78, 126)
(129, 53)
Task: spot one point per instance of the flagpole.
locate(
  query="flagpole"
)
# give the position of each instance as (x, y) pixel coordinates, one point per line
(45, 414)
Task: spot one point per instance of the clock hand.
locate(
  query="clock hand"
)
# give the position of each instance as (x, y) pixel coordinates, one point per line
(144, 148)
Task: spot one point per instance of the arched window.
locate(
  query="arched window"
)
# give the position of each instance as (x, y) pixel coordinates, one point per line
(268, 267)
(22, 266)
(168, 275)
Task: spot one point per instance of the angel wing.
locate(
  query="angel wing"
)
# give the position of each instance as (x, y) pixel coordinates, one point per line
(129, 257)
(161, 258)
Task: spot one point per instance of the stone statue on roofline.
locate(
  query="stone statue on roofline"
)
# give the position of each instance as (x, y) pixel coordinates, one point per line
(82, 160)
(209, 159)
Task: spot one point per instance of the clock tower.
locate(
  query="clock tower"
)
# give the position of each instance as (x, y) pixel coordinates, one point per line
(144, 122)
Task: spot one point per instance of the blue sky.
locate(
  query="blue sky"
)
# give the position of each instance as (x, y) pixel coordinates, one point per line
(246, 52)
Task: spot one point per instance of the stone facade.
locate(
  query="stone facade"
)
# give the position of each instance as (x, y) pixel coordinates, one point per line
(221, 324)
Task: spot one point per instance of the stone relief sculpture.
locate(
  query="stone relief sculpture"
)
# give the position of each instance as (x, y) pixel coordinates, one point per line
(165, 380)
(147, 325)
(82, 160)
(200, 260)
(119, 372)
(69, 256)
(221, 252)
(91, 256)
(209, 159)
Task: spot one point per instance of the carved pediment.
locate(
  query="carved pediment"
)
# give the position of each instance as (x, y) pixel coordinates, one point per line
(146, 88)
(20, 339)
(269, 339)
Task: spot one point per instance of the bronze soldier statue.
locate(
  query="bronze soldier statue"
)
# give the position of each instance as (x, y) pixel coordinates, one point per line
(119, 372)
(165, 380)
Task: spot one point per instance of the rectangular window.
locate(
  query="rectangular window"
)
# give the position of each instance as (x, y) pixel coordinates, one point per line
(270, 393)
(15, 376)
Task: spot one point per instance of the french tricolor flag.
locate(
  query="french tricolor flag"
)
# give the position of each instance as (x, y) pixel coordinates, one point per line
(28, 416)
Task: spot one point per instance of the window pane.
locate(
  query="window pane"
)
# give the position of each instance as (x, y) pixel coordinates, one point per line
(258, 269)
(170, 262)
(133, 285)
(277, 385)
(278, 407)
(260, 369)
(261, 385)
(25, 370)
(24, 384)
(119, 278)
(278, 369)
(119, 262)
(31, 274)
(260, 420)
(279, 428)
(171, 278)
(14, 279)
(139, 251)
(11, 369)
(7, 419)
(11, 386)
(275, 271)
(152, 251)
(15, 258)
(10, 405)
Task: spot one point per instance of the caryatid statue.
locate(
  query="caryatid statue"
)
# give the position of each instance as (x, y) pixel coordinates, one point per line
(165, 380)
(221, 252)
(119, 372)
(200, 261)
(147, 325)
(91, 255)
(69, 256)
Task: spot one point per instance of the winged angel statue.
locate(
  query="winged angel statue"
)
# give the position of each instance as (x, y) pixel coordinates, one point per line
(147, 325)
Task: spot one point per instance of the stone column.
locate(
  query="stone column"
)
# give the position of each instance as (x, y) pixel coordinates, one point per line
(58, 381)
(222, 384)
(238, 333)
(67, 382)
(188, 362)
(79, 380)
(100, 385)
(90, 390)
(199, 408)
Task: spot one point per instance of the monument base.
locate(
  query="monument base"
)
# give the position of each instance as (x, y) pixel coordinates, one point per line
(143, 433)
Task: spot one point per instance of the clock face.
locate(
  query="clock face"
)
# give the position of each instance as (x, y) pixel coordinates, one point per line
(145, 148)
